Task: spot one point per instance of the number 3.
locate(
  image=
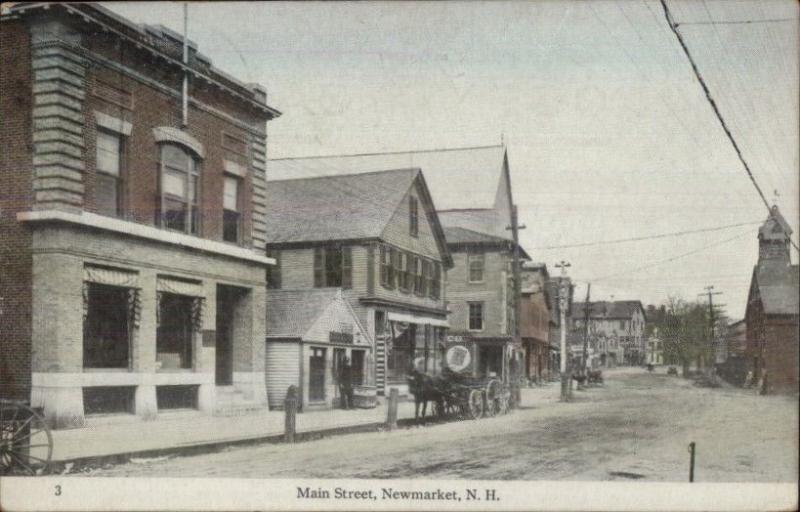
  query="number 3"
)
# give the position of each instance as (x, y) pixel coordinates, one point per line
(58, 490)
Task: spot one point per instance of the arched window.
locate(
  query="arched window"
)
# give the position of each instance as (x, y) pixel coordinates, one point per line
(180, 189)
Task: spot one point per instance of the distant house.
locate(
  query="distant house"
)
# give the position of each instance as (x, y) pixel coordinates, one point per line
(616, 330)
(376, 236)
(772, 308)
(535, 321)
(471, 189)
(654, 352)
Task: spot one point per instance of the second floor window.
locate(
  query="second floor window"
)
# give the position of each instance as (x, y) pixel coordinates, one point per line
(108, 183)
(413, 215)
(231, 209)
(333, 267)
(475, 267)
(403, 267)
(436, 280)
(387, 266)
(180, 189)
(475, 316)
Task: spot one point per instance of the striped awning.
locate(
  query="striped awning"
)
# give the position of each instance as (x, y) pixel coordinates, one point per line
(179, 287)
(416, 319)
(110, 276)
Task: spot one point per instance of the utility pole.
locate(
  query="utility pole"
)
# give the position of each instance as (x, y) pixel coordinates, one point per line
(710, 293)
(562, 306)
(517, 271)
(586, 329)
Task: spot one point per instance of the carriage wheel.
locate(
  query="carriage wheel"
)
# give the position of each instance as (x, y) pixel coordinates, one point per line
(494, 393)
(25, 441)
(475, 404)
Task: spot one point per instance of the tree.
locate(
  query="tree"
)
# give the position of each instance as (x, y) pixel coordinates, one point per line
(685, 332)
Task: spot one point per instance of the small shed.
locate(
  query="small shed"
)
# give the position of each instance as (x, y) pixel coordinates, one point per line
(309, 334)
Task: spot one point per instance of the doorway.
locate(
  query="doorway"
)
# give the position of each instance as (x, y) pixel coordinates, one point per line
(230, 326)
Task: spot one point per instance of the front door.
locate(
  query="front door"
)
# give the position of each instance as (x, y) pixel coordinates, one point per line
(316, 375)
(338, 361)
(224, 343)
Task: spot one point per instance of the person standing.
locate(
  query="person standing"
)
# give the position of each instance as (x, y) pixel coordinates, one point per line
(346, 384)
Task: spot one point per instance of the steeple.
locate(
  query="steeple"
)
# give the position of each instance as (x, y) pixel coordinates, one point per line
(773, 238)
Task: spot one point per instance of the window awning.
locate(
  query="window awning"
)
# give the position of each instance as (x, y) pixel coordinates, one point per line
(110, 276)
(179, 287)
(416, 319)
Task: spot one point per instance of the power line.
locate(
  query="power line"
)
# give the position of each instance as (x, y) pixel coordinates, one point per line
(695, 251)
(650, 237)
(713, 104)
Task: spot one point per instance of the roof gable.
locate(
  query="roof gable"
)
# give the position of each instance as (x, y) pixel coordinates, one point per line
(462, 178)
(311, 314)
(334, 207)
(778, 287)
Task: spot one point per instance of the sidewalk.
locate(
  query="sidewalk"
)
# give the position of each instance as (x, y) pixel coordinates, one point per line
(127, 435)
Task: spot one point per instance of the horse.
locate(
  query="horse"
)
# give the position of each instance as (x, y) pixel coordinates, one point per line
(423, 388)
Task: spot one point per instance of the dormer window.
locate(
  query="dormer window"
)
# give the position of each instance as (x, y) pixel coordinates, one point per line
(180, 189)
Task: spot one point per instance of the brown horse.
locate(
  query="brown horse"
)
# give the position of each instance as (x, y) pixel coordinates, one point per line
(423, 388)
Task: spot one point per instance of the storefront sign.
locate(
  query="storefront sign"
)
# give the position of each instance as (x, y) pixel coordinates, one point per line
(458, 358)
(340, 337)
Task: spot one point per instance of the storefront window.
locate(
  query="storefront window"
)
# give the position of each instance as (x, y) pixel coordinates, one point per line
(175, 331)
(106, 334)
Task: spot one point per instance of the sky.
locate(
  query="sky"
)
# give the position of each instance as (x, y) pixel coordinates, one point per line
(609, 134)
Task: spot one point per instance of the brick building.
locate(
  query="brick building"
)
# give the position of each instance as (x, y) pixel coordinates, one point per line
(133, 248)
(772, 317)
(376, 236)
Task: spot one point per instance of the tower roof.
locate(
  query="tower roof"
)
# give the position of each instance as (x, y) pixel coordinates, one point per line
(775, 227)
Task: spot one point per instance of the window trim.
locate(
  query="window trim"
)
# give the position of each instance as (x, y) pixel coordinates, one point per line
(121, 168)
(413, 216)
(469, 315)
(192, 223)
(321, 270)
(482, 259)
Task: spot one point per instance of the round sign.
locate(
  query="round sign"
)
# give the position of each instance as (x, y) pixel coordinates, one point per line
(458, 358)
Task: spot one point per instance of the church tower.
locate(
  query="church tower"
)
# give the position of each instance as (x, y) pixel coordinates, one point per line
(773, 238)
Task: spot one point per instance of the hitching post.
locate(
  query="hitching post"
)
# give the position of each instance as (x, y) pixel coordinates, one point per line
(691, 461)
(391, 413)
(290, 407)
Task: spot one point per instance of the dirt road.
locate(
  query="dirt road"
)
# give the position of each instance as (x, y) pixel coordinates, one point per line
(637, 426)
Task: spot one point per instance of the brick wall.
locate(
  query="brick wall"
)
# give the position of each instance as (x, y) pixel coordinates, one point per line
(781, 353)
(15, 195)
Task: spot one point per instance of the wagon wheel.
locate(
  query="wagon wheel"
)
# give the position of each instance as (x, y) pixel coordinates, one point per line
(475, 404)
(493, 397)
(25, 441)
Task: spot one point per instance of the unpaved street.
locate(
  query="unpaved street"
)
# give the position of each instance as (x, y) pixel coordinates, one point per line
(637, 426)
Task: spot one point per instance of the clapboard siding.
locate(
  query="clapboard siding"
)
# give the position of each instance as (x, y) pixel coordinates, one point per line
(283, 370)
(496, 321)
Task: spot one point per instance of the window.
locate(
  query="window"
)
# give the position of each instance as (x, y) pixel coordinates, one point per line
(413, 215)
(333, 267)
(175, 331)
(176, 397)
(403, 266)
(108, 400)
(231, 213)
(180, 181)
(316, 375)
(622, 324)
(475, 316)
(274, 271)
(106, 333)
(436, 280)
(475, 265)
(387, 268)
(423, 279)
(108, 184)
(418, 278)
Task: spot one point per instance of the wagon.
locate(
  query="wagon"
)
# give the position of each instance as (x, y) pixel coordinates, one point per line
(473, 398)
(26, 444)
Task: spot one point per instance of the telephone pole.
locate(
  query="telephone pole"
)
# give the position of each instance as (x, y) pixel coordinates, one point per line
(586, 329)
(515, 227)
(563, 299)
(710, 293)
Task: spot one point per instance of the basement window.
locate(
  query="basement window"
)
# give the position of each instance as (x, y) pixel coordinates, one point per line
(176, 397)
(108, 400)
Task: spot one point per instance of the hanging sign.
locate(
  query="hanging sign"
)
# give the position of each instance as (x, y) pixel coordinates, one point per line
(458, 358)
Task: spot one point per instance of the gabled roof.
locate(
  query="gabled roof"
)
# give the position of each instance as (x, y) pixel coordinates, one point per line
(778, 286)
(459, 178)
(463, 237)
(342, 207)
(292, 313)
(618, 309)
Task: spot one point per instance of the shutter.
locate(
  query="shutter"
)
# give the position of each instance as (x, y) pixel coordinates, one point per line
(347, 267)
(319, 268)
(382, 263)
(392, 268)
